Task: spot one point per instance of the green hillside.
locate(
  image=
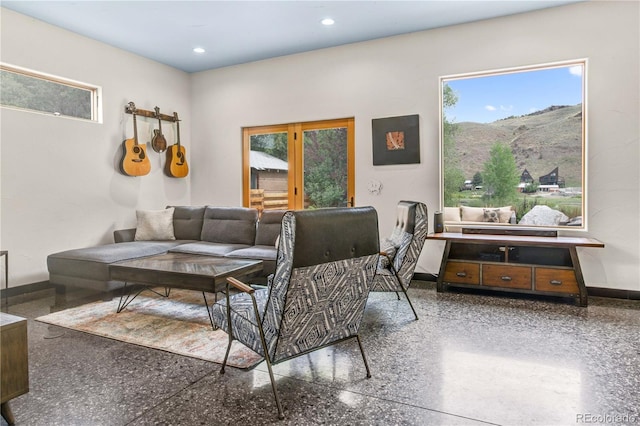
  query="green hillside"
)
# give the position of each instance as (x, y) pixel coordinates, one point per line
(540, 142)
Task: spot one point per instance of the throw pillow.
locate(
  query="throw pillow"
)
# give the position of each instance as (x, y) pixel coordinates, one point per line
(154, 225)
(505, 214)
(491, 215)
(389, 247)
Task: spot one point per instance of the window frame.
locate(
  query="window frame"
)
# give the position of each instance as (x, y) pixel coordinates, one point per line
(94, 90)
(584, 136)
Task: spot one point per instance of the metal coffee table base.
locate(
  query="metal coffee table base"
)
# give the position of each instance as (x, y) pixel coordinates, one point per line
(128, 296)
(179, 270)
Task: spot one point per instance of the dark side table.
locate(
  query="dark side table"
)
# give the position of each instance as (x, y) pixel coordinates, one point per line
(14, 371)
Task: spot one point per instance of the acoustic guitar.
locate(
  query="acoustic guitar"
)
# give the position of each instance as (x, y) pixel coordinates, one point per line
(134, 156)
(176, 164)
(158, 142)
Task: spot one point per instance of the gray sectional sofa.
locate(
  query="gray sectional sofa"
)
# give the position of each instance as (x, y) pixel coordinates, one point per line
(205, 230)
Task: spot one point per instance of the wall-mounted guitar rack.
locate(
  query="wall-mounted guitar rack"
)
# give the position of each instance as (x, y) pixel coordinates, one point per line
(130, 109)
(135, 161)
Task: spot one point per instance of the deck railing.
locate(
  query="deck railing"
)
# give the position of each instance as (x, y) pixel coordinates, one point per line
(261, 200)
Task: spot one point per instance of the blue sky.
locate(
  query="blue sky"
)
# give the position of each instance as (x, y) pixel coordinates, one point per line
(489, 98)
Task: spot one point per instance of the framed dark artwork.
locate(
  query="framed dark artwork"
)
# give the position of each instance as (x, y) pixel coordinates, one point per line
(396, 140)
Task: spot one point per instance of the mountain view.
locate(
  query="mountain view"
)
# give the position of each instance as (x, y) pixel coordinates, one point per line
(540, 142)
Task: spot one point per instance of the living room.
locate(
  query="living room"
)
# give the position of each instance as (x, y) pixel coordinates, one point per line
(214, 106)
(61, 187)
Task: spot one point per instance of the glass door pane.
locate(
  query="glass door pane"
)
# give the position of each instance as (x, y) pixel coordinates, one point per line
(325, 167)
(299, 165)
(269, 171)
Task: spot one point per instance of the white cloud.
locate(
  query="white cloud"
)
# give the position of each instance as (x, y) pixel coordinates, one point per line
(506, 108)
(490, 108)
(576, 70)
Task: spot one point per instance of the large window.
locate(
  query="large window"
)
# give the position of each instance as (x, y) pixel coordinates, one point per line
(299, 165)
(517, 138)
(33, 91)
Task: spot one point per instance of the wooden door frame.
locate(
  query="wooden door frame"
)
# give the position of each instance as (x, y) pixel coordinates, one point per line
(295, 175)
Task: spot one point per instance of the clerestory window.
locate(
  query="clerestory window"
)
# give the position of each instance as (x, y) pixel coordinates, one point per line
(34, 91)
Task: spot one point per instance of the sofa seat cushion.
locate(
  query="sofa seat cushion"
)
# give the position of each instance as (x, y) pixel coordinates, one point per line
(93, 262)
(457, 226)
(266, 253)
(208, 248)
(255, 252)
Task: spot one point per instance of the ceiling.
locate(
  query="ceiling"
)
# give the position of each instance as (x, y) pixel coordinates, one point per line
(236, 32)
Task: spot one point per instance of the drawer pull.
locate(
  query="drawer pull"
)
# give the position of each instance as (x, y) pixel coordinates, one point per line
(505, 278)
(461, 274)
(555, 282)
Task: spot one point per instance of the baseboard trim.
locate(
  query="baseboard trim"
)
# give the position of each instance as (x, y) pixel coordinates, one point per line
(613, 293)
(592, 291)
(27, 288)
(425, 276)
(421, 276)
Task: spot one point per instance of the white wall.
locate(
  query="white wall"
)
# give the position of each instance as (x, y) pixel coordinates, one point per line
(61, 188)
(399, 76)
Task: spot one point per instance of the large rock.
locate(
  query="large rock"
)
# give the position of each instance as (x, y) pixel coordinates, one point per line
(543, 215)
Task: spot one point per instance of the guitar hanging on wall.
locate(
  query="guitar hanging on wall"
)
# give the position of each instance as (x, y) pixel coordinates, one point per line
(134, 156)
(176, 164)
(158, 142)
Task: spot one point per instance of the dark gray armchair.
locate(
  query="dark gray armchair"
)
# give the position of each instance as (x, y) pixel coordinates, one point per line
(324, 270)
(400, 251)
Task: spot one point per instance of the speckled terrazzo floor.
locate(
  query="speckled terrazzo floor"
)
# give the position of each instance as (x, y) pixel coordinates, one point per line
(470, 360)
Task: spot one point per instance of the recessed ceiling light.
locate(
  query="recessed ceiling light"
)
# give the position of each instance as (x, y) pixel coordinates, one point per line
(198, 50)
(328, 21)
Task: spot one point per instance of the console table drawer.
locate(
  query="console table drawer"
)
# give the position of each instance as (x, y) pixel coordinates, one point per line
(556, 280)
(462, 272)
(507, 276)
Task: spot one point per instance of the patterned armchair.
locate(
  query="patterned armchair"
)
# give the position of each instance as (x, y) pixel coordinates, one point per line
(325, 267)
(400, 252)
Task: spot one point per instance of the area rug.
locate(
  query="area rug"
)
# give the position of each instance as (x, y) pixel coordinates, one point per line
(178, 324)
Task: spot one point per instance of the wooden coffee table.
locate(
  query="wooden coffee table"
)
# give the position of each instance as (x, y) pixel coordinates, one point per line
(207, 274)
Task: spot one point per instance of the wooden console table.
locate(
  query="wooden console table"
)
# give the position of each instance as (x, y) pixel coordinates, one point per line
(15, 363)
(514, 263)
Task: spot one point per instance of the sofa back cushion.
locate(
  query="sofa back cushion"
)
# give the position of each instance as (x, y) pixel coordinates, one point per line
(269, 227)
(452, 214)
(472, 214)
(231, 225)
(187, 222)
